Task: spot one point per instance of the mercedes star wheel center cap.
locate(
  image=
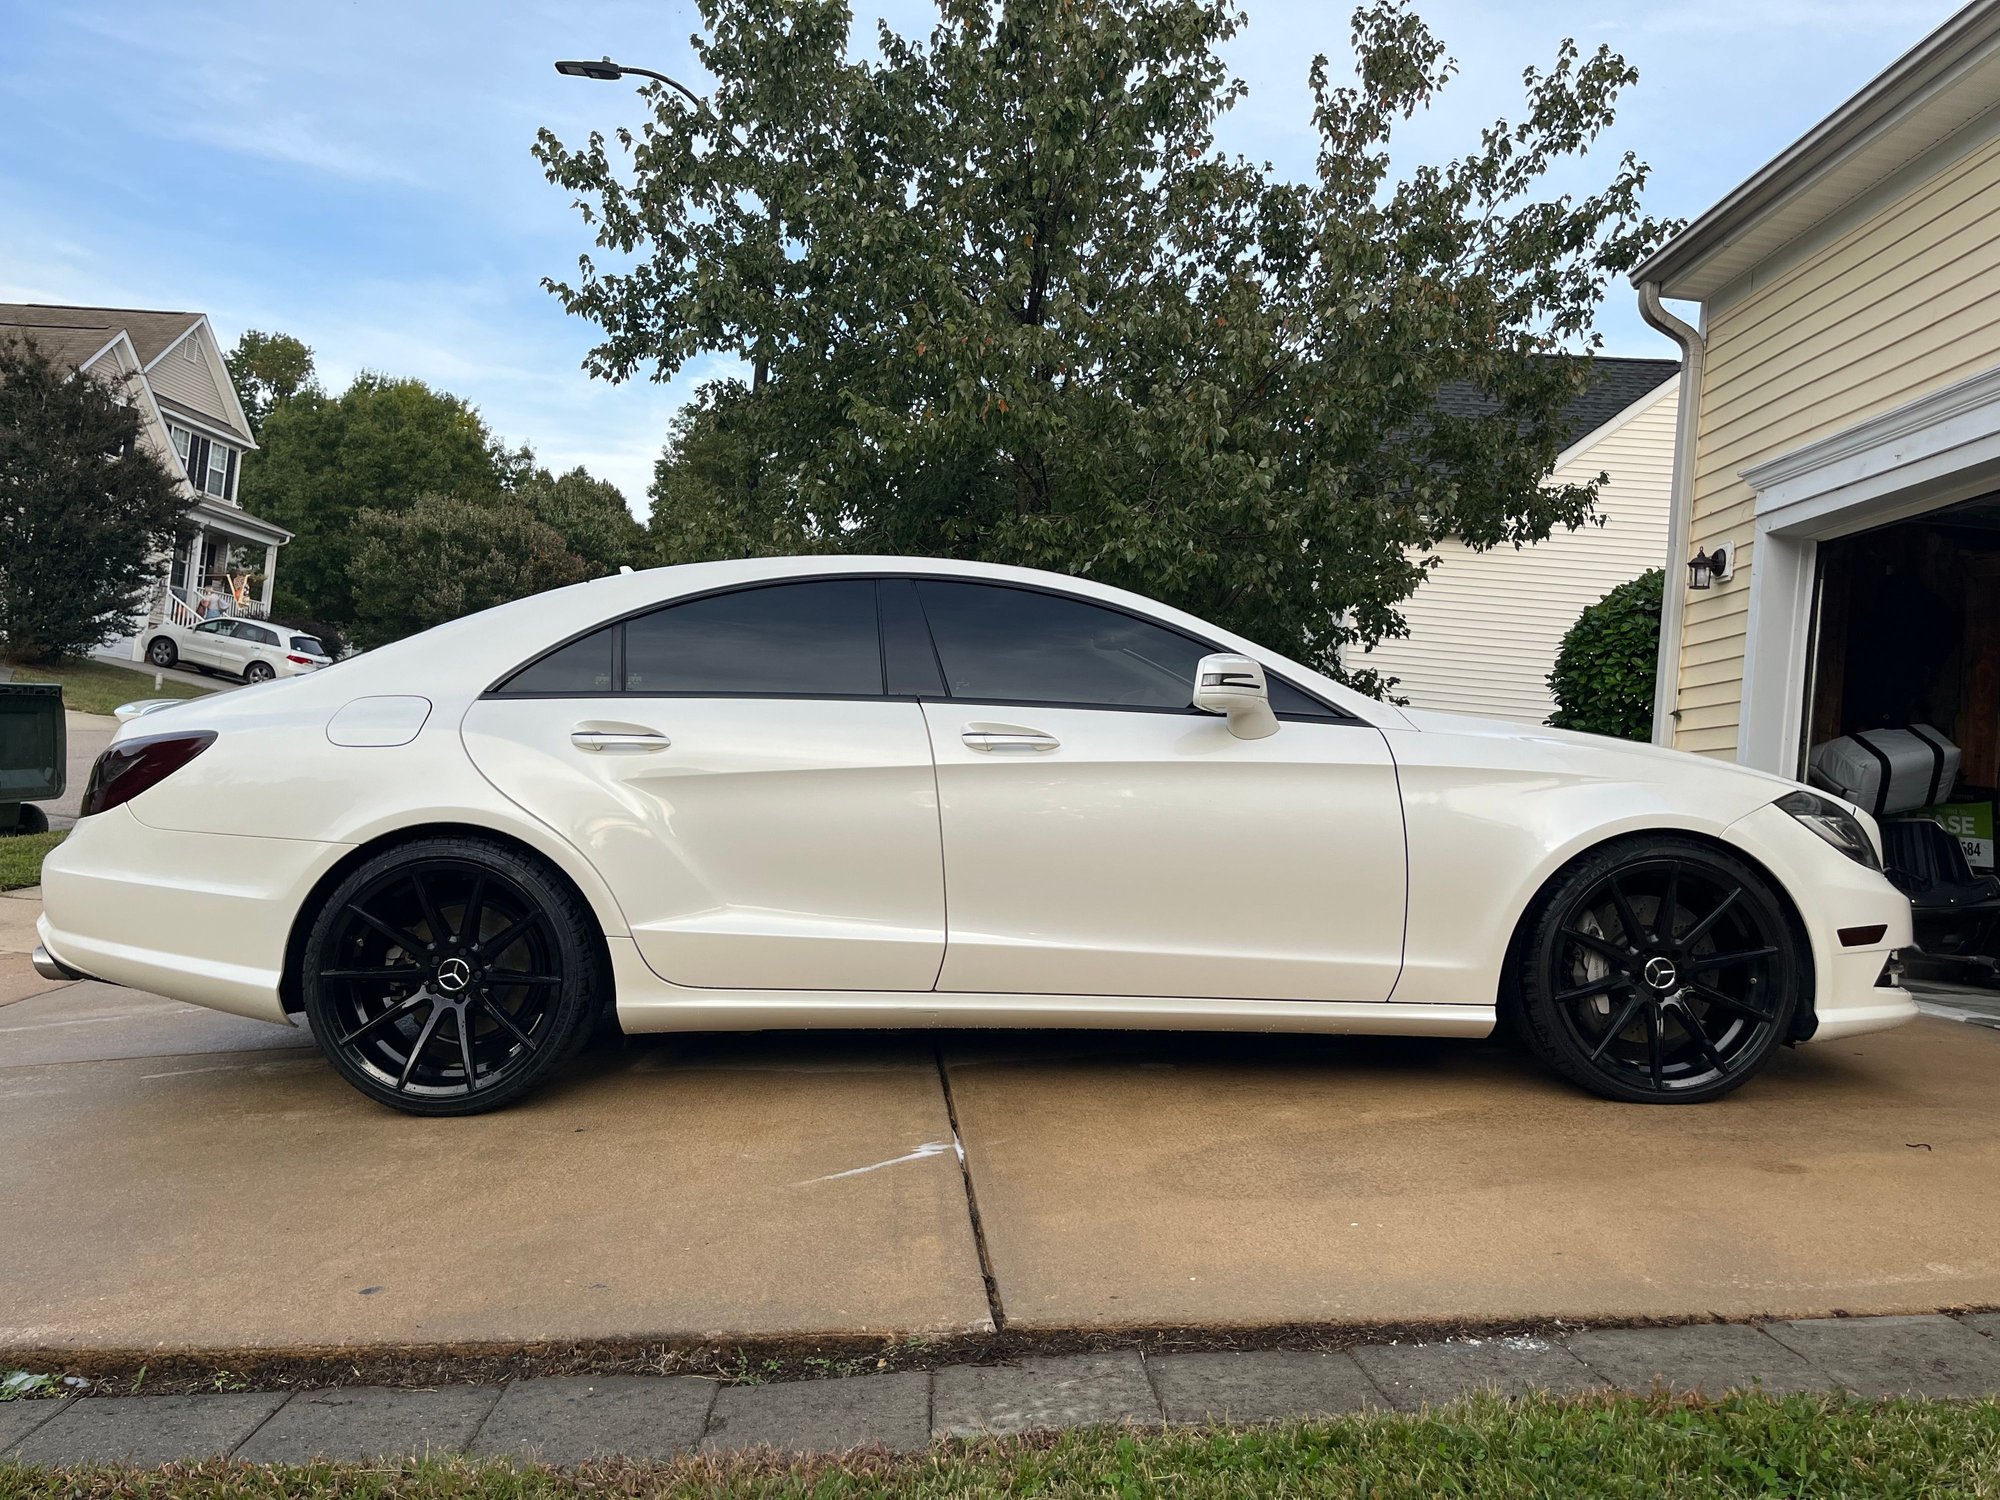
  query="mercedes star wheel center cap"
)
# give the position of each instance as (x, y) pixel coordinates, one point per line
(1660, 973)
(454, 974)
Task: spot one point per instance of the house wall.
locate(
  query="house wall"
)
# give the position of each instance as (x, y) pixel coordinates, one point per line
(189, 381)
(1484, 627)
(1903, 303)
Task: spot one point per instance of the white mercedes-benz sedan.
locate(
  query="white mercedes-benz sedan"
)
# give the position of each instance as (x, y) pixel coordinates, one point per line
(896, 792)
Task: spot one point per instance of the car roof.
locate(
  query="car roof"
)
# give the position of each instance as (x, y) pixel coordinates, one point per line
(462, 657)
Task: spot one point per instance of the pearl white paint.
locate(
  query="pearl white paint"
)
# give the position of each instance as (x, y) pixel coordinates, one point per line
(794, 863)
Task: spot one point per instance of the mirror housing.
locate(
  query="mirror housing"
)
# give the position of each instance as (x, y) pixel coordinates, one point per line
(1226, 683)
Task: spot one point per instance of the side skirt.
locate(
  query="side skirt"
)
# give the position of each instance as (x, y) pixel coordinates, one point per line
(647, 1004)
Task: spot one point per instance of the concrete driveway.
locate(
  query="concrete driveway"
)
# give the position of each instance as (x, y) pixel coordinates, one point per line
(173, 1178)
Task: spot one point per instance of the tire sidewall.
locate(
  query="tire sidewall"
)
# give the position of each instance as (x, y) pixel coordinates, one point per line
(576, 1008)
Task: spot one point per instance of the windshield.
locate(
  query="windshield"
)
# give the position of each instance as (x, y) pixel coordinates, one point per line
(307, 645)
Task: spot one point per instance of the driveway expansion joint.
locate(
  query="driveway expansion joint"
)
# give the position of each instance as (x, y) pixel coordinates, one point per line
(995, 1309)
(565, 1419)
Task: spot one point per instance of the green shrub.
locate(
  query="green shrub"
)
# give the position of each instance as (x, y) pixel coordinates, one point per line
(1603, 681)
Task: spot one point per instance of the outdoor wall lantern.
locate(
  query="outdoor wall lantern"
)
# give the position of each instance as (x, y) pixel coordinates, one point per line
(1705, 568)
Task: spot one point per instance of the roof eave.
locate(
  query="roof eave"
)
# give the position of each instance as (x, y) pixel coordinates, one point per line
(1926, 67)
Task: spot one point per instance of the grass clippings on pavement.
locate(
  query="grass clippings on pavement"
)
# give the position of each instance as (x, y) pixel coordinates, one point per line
(1594, 1446)
(21, 857)
(97, 687)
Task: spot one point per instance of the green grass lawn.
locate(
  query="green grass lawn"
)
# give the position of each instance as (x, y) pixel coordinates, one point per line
(96, 687)
(1611, 1446)
(21, 858)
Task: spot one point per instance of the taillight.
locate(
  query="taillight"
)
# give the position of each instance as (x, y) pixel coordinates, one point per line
(130, 766)
(304, 661)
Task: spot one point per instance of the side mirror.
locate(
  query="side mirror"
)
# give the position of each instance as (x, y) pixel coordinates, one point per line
(1226, 683)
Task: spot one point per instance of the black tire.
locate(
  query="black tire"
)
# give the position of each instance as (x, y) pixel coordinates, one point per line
(399, 976)
(162, 652)
(31, 820)
(259, 671)
(1653, 1011)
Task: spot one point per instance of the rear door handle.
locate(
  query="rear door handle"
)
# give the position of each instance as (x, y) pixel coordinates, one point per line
(1005, 739)
(629, 740)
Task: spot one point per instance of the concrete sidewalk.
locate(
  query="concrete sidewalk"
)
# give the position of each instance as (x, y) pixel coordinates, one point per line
(570, 1420)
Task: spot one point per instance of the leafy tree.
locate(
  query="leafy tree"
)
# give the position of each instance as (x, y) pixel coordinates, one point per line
(267, 370)
(85, 509)
(590, 515)
(1603, 681)
(999, 296)
(379, 445)
(707, 502)
(444, 556)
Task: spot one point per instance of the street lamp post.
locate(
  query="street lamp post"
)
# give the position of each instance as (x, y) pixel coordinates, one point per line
(607, 71)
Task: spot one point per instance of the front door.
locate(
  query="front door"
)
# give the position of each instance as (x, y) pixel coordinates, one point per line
(1103, 838)
(764, 815)
(211, 644)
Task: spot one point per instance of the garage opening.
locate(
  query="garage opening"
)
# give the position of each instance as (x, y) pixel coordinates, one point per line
(1903, 717)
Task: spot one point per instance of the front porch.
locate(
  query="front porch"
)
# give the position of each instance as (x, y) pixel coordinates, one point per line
(224, 562)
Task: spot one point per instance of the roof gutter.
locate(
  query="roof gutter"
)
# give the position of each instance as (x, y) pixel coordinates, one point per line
(1680, 515)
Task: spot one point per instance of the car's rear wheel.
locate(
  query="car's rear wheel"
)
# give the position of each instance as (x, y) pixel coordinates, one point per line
(1659, 971)
(162, 652)
(450, 976)
(259, 671)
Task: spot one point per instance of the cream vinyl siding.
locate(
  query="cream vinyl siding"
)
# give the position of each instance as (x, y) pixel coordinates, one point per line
(190, 381)
(1906, 302)
(1484, 626)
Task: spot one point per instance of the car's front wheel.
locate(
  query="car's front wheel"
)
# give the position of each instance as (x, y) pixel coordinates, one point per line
(450, 976)
(1659, 970)
(162, 652)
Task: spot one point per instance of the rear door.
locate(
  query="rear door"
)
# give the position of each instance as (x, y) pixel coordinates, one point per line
(764, 812)
(1102, 837)
(252, 642)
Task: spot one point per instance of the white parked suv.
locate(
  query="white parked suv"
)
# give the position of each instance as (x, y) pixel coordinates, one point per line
(254, 650)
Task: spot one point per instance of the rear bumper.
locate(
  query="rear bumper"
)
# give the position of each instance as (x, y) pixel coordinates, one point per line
(195, 916)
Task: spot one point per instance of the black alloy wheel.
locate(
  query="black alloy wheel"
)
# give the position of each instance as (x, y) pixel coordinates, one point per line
(162, 652)
(450, 976)
(1660, 971)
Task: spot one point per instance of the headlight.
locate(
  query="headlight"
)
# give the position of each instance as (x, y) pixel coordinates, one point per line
(1835, 824)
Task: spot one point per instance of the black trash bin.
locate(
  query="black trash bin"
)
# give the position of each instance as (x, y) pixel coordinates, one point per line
(34, 754)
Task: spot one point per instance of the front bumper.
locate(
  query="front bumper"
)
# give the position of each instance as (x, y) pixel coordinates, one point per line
(1832, 894)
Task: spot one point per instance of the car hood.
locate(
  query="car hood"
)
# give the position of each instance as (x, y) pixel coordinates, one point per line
(1603, 757)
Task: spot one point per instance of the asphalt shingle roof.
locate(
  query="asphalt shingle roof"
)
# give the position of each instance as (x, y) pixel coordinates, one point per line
(1615, 384)
(149, 331)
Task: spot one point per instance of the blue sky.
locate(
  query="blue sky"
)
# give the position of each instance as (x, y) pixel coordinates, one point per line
(357, 173)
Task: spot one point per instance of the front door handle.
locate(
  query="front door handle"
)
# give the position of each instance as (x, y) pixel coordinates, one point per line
(1007, 739)
(631, 740)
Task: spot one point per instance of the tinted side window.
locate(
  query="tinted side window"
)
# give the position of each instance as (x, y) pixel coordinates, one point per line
(1016, 645)
(815, 638)
(583, 666)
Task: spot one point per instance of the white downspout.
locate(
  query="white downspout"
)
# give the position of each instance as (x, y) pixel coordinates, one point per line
(1680, 516)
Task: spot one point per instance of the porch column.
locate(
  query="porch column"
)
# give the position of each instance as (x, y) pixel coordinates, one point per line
(270, 574)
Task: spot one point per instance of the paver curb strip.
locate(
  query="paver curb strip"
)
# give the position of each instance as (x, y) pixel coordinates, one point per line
(565, 1420)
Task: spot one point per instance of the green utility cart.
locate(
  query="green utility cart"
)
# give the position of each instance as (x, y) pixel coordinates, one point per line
(34, 754)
